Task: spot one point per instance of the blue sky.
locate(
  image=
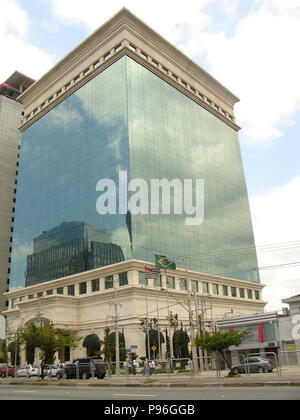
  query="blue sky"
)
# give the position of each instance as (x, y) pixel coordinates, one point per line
(251, 47)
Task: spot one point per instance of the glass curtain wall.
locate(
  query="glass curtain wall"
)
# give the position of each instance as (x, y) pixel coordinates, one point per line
(128, 119)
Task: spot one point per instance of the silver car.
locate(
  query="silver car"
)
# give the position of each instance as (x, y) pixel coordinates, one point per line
(28, 371)
(258, 364)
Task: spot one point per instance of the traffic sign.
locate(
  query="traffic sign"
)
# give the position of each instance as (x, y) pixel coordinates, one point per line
(153, 348)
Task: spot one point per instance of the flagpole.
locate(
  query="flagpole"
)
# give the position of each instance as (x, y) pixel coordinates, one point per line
(147, 319)
(158, 327)
(169, 319)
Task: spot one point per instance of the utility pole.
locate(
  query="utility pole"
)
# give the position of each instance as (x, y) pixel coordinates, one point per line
(199, 329)
(116, 329)
(147, 321)
(188, 284)
(158, 327)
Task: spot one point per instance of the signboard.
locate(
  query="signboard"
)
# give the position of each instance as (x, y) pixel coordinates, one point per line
(291, 347)
(134, 347)
(2, 327)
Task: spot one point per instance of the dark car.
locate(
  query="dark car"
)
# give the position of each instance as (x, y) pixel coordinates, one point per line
(84, 368)
(254, 364)
(7, 371)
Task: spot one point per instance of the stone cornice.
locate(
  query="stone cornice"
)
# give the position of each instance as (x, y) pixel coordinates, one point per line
(127, 266)
(124, 28)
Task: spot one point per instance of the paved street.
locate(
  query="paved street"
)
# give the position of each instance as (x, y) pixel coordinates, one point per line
(28, 392)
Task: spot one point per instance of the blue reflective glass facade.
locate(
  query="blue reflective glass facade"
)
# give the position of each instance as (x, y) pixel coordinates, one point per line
(127, 119)
(172, 137)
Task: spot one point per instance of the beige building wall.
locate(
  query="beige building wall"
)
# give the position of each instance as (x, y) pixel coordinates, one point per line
(92, 312)
(10, 116)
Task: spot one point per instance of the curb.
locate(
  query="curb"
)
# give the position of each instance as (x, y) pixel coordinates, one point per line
(160, 385)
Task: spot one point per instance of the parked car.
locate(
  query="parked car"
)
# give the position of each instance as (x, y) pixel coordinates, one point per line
(7, 371)
(84, 368)
(53, 369)
(60, 370)
(28, 371)
(47, 370)
(258, 364)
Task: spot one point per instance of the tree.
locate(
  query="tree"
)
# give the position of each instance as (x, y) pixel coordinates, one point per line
(181, 345)
(152, 326)
(109, 346)
(219, 342)
(11, 345)
(3, 352)
(49, 340)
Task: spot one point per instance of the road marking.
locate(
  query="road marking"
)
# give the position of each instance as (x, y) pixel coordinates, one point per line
(32, 392)
(133, 395)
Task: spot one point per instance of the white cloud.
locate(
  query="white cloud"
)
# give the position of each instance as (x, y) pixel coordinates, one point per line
(260, 65)
(276, 221)
(166, 17)
(16, 52)
(258, 62)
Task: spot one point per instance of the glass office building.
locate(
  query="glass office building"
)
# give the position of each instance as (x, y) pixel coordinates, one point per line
(128, 119)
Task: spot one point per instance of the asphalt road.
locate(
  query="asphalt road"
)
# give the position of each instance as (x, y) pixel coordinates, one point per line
(11, 392)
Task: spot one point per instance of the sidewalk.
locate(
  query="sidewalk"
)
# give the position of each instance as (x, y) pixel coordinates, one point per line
(205, 379)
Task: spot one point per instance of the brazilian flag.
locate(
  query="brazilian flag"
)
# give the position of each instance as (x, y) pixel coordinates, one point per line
(163, 262)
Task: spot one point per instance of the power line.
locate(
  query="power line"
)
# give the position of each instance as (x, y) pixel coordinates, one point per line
(268, 267)
(246, 250)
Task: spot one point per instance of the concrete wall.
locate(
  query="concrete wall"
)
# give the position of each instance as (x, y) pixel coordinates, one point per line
(10, 116)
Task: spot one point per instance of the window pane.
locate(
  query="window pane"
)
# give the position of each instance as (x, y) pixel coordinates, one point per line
(183, 284)
(194, 285)
(171, 283)
(123, 279)
(225, 291)
(82, 288)
(215, 289)
(95, 285)
(71, 290)
(142, 279)
(157, 282)
(205, 288)
(233, 291)
(109, 282)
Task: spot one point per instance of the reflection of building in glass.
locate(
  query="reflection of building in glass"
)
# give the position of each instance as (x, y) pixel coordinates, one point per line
(68, 249)
(120, 103)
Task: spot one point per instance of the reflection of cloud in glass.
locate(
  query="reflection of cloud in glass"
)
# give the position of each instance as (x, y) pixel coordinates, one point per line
(64, 154)
(173, 137)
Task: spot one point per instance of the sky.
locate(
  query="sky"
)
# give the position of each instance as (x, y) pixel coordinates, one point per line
(251, 47)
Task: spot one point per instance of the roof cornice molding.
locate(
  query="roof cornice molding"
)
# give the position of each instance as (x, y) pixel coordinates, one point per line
(125, 21)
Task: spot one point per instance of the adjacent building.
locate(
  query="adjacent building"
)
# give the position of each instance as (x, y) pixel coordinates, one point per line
(271, 333)
(128, 107)
(10, 119)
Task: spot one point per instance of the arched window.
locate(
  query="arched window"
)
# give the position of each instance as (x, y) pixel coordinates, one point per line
(92, 345)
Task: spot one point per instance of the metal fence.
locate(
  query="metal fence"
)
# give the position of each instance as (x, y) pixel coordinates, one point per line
(199, 366)
(289, 358)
